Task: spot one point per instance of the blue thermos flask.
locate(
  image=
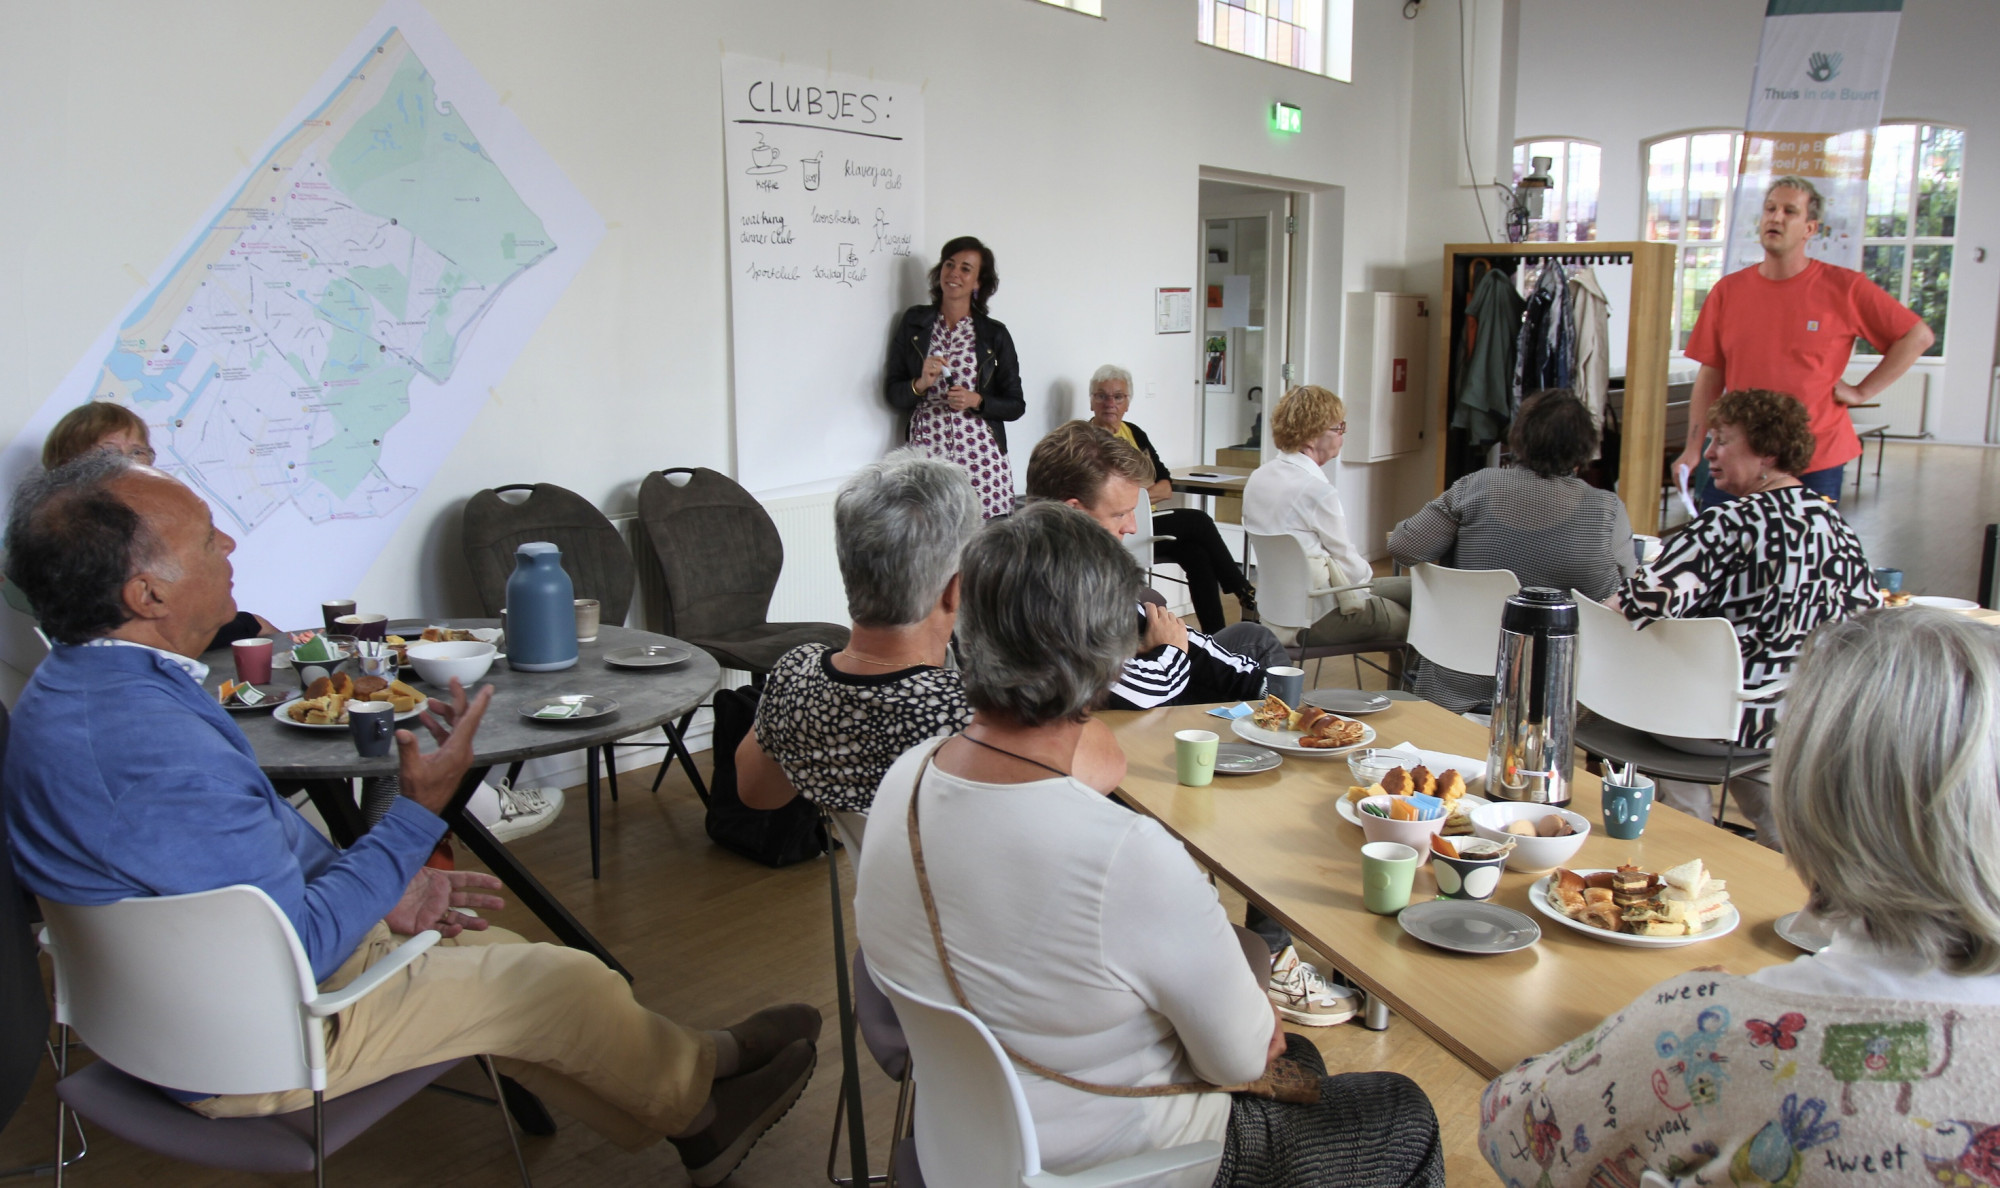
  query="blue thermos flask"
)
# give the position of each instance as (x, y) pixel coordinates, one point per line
(541, 610)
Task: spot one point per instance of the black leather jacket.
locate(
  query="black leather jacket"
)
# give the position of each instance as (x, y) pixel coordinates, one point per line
(999, 380)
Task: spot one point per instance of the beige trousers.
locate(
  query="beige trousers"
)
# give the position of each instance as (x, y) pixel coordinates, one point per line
(558, 1020)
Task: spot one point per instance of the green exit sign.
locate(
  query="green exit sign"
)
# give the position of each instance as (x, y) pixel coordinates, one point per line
(1286, 118)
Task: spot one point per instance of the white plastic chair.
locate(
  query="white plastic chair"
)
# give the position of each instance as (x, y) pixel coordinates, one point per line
(863, 1015)
(1455, 615)
(1289, 596)
(212, 993)
(1677, 677)
(1140, 545)
(973, 1129)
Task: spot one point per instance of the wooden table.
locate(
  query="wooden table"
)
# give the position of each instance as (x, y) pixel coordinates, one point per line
(1278, 838)
(324, 761)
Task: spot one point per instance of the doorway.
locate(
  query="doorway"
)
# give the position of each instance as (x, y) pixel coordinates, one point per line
(1247, 242)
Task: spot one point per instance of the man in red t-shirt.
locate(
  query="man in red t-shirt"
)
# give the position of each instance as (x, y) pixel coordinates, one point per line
(1789, 324)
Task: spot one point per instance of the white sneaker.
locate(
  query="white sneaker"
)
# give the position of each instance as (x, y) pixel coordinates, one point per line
(1304, 997)
(525, 810)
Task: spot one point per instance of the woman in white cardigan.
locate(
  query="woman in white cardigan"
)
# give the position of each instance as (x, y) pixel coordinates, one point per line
(1872, 1060)
(1291, 494)
(1081, 933)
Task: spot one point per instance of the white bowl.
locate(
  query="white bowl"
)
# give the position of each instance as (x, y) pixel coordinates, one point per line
(1415, 834)
(1369, 764)
(1532, 855)
(437, 663)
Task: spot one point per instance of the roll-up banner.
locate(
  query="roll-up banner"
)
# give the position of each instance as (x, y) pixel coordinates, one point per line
(1814, 103)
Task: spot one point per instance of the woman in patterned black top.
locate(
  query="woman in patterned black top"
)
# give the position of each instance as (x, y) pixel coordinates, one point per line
(1776, 562)
(830, 723)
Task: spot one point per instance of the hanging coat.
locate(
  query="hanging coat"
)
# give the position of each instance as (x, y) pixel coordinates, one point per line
(1590, 314)
(1486, 362)
(1546, 344)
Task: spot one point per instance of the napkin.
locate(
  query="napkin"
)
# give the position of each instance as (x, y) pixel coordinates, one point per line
(1409, 755)
(316, 648)
(1242, 710)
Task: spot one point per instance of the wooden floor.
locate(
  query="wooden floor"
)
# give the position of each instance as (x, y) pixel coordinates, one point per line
(1927, 515)
(709, 938)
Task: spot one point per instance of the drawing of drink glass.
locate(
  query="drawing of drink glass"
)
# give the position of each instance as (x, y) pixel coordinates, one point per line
(810, 165)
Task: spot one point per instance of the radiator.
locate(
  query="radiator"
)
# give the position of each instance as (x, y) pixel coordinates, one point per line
(1904, 404)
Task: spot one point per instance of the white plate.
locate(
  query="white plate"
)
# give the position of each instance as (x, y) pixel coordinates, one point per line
(1236, 759)
(1287, 741)
(1538, 895)
(1805, 936)
(1351, 813)
(586, 706)
(288, 720)
(1940, 602)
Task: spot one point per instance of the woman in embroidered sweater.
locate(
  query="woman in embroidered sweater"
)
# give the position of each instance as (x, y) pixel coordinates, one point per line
(1871, 1061)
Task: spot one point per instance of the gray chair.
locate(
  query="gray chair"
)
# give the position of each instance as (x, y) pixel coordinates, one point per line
(720, 556)
(599, 565)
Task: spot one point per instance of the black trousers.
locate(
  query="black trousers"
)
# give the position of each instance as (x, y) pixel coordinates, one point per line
(1198, 549)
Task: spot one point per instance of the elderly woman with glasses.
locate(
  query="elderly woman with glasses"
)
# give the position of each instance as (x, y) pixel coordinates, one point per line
(1196, 546)
(1082, 933)
(1875, 1055)
(1291, 494)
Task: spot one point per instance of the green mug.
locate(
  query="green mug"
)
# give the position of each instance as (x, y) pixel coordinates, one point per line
(1387, 871)
(1194, 756)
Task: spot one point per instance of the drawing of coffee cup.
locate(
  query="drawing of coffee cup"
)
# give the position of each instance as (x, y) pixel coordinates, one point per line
(763, 154)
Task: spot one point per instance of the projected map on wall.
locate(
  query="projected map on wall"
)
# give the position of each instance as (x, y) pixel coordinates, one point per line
(320, 343)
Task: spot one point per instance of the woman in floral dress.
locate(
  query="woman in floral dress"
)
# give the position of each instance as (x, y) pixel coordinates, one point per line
(953, 369)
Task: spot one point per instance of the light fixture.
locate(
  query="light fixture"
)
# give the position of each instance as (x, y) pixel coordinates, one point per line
(1286, 118)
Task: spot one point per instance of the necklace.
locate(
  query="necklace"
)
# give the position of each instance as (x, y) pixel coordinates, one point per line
(1011, 754)
(858, 658)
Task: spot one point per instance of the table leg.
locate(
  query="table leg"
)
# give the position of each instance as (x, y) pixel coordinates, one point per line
(335, 801)
(1375, 1016)
(527, 890)
(590, 794)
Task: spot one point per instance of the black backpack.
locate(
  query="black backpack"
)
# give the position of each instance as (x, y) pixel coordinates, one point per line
(775, 837)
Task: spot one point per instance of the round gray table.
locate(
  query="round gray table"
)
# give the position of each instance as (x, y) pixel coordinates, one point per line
(323, 760)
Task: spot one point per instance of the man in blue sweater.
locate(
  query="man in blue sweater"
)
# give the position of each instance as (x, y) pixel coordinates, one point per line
(125, 778)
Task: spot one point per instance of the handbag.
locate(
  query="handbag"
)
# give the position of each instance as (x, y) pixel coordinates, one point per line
(774, 837)
(1283, 1079)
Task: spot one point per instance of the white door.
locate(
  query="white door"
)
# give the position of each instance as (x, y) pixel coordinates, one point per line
(1246, 274)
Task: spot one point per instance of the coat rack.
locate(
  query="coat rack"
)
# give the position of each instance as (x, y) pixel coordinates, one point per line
(1647, 341)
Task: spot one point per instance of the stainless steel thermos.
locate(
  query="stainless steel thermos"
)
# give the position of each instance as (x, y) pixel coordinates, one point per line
(1532, 756)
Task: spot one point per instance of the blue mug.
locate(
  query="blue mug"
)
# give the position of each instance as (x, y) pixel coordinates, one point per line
(1626, 808)
(1890, 580)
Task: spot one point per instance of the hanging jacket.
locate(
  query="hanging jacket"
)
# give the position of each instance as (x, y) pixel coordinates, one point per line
(1546, 344)
(1590, 315)
(1486, 361)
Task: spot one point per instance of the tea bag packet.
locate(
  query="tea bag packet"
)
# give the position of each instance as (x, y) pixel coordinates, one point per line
(1429, 808)
(558, 710)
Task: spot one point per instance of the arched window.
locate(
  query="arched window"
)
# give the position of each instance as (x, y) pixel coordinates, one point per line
(1913, 195)
(1569, 209)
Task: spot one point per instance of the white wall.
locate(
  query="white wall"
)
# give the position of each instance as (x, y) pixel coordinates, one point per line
(1070, 144)
(1622, 71)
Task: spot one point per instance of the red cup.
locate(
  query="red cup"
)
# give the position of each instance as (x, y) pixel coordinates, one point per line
(253, 660)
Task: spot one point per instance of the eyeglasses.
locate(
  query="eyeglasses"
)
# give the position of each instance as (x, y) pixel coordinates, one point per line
(143, 455)
(1340, 429)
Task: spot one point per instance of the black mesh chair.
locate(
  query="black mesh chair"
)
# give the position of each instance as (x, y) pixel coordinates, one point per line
(720, 557)
(599, 565)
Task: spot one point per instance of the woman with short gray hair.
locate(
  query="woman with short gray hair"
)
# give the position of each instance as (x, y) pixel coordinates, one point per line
(1887, 787)
(830, 723)
(1082, 933)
